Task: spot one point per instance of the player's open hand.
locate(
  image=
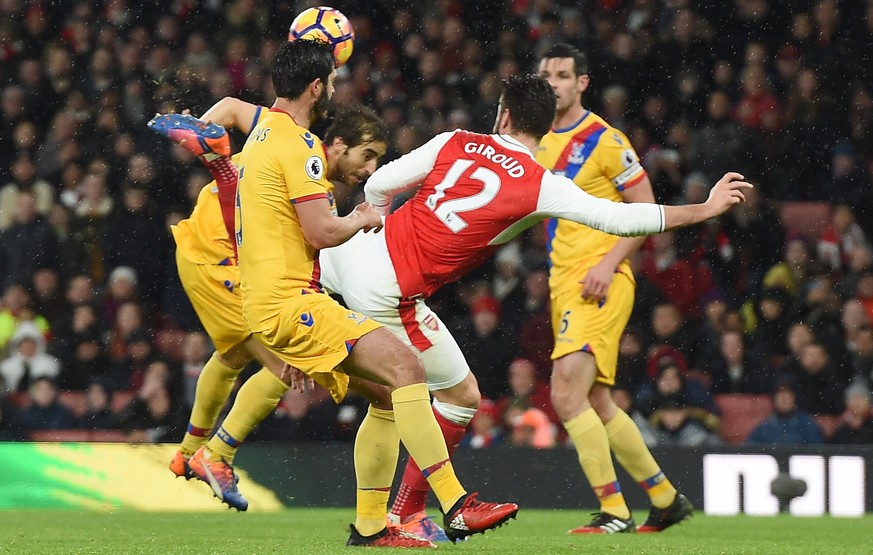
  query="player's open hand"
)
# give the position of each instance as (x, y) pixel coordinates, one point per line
(296, 378)
(371, 217)
(726, 193)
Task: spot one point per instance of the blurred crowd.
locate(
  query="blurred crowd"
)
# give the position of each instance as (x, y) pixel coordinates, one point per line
(779, 90)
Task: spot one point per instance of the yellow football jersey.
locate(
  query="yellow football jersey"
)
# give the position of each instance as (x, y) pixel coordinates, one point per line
(202, 238)
(602, 162)
(280, 165)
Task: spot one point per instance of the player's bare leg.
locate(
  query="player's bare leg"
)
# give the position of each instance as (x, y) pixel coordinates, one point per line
(453, 409)
(573, 376)
(381, 357)
(669, 507)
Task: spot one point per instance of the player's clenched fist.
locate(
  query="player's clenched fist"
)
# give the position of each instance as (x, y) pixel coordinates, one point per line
(371, 218)
(727, 192)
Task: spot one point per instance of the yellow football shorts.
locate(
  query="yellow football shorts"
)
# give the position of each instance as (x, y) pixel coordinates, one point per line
(315, 334)
(214, 293)
(593, 327)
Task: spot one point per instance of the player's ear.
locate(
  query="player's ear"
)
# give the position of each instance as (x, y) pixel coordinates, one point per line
(582, 82)
(504, 121)
(339, 145)
(315, 87)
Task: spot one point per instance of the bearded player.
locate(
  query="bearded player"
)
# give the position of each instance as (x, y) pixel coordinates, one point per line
(206, 257)
(355, 140)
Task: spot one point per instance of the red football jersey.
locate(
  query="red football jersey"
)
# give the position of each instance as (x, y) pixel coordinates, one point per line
(477, 192)
(479, 186)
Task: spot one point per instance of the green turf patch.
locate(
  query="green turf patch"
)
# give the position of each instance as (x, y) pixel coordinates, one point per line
(324, 531)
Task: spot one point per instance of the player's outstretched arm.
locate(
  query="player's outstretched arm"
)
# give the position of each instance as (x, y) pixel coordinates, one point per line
(323, 230)
(727, 192)
(403, 174)
(233, 112)
(560, 198)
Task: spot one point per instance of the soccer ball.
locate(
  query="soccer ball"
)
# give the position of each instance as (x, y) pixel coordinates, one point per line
(326, 24)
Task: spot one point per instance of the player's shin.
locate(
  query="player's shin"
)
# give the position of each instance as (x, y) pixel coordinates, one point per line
(214, 385)
(627, 443)
(412, 493)
(592, 447)
(421, 435)
(377, 447)
(256, 399)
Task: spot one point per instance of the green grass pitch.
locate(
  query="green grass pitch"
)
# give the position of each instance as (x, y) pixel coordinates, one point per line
(324, 531)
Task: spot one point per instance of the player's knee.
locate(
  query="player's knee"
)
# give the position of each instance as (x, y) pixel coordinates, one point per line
(236, 357)
(568, 388)
(400, 366)
(560, 396)
(408, 369)
(470, 397)
(563, 375)
(465, 394)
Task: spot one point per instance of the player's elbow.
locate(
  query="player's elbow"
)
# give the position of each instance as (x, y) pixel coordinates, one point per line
(318, 240)
(324, 237)
(226, 112)
(372, 194)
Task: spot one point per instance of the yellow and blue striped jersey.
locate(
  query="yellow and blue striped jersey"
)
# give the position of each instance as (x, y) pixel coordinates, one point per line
(601, 161)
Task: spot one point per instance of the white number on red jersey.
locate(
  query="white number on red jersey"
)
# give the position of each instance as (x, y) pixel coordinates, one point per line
(448, 211)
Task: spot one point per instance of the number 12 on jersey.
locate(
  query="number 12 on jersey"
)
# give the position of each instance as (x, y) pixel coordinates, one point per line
(447, 210)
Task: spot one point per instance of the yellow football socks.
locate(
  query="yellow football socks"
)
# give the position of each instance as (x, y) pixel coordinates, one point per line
(592, 447)
(377, 447)
(256, 399)
(421, 435)
(631, 451)
(213, 388)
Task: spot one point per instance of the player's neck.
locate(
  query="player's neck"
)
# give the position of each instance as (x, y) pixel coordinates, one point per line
(570, 116)
(296, 110)
(529, 142)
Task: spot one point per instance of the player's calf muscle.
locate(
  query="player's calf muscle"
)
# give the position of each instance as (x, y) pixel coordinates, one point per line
(378, 395)
(600, 398)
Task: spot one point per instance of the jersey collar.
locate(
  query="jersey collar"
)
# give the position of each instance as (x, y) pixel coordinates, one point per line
(513, 144)
(572, 125)
(280, 110)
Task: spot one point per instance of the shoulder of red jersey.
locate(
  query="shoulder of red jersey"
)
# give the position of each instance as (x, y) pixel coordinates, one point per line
(498, 150)
(464, 134)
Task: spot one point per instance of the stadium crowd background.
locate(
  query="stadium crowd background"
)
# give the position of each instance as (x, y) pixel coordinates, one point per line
(749, 304)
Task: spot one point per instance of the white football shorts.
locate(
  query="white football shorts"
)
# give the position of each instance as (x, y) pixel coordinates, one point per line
(360, 270)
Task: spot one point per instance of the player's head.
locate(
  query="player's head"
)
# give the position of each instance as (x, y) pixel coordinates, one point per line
(356, 140)
(527, 105)
(304, 67)
(565, 67)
